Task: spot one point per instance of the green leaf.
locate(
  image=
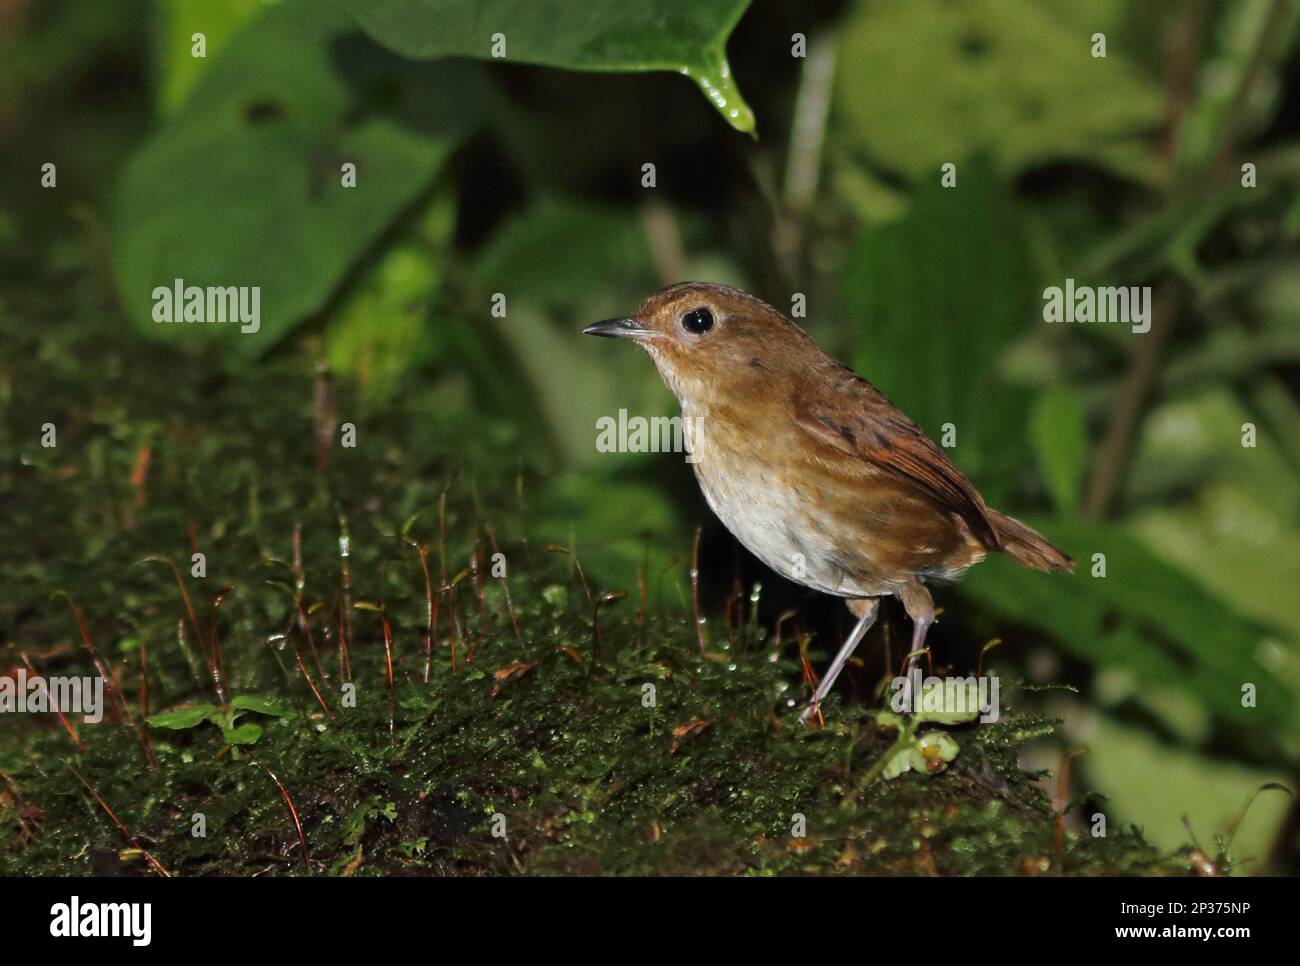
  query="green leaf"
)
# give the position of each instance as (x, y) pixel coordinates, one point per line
(245, 734)
(937, 297)
(684, 36)
(1059, 437)
(898, 762)
(948, 717)
(183, 718)
(252, 702)
(243, 186)
(922, 82)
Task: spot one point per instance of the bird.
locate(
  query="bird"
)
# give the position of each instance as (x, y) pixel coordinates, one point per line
(811, 468)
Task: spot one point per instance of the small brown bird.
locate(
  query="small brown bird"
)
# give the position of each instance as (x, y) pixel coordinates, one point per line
(812, 468)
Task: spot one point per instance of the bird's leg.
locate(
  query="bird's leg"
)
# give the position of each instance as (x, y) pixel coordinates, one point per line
(865, 611)
(920, 607)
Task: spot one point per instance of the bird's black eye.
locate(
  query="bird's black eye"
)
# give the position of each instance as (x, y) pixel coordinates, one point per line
(697, 321)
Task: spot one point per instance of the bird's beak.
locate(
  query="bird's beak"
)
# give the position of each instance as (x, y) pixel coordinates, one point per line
(618, 329)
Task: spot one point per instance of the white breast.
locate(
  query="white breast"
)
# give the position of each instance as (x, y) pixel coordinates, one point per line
(773, 521)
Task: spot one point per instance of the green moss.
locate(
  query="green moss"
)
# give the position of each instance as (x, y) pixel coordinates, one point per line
(531, 734)
(585, 776)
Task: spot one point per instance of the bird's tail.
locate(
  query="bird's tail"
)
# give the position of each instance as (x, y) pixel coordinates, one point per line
(1027, 546)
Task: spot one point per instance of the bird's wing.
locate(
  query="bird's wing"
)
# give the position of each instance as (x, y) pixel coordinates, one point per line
(851, 415)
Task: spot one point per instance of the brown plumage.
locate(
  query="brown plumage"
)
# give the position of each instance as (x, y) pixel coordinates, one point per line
(811, 467)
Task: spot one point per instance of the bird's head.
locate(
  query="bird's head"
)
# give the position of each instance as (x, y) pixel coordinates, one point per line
(709, 340)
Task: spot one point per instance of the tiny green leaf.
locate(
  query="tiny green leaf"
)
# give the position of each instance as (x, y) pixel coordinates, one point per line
(949, 717)
(898, 763)
(183, 718)
(888, 719)
(253, 702)
(245, 734)
(947, 701)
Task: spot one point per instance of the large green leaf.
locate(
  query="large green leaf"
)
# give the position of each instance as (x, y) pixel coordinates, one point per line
(937, 297)
(923, 82)
(243, 186)
(1145, 617)
(684, 36)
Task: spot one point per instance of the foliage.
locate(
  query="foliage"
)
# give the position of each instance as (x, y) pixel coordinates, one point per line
(477, 178)
(224, 717)
(243, 183)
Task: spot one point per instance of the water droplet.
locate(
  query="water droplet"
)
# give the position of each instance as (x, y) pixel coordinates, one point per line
(714, 79)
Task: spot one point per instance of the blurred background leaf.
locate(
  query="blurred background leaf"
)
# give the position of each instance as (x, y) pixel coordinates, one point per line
(937, 296)
(383, 327)
(244, 186)
(1149, 619)
(922, 82)
(180, 20)
(1060, 440)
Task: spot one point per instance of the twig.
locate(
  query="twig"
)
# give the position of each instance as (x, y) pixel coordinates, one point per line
(808, 132)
